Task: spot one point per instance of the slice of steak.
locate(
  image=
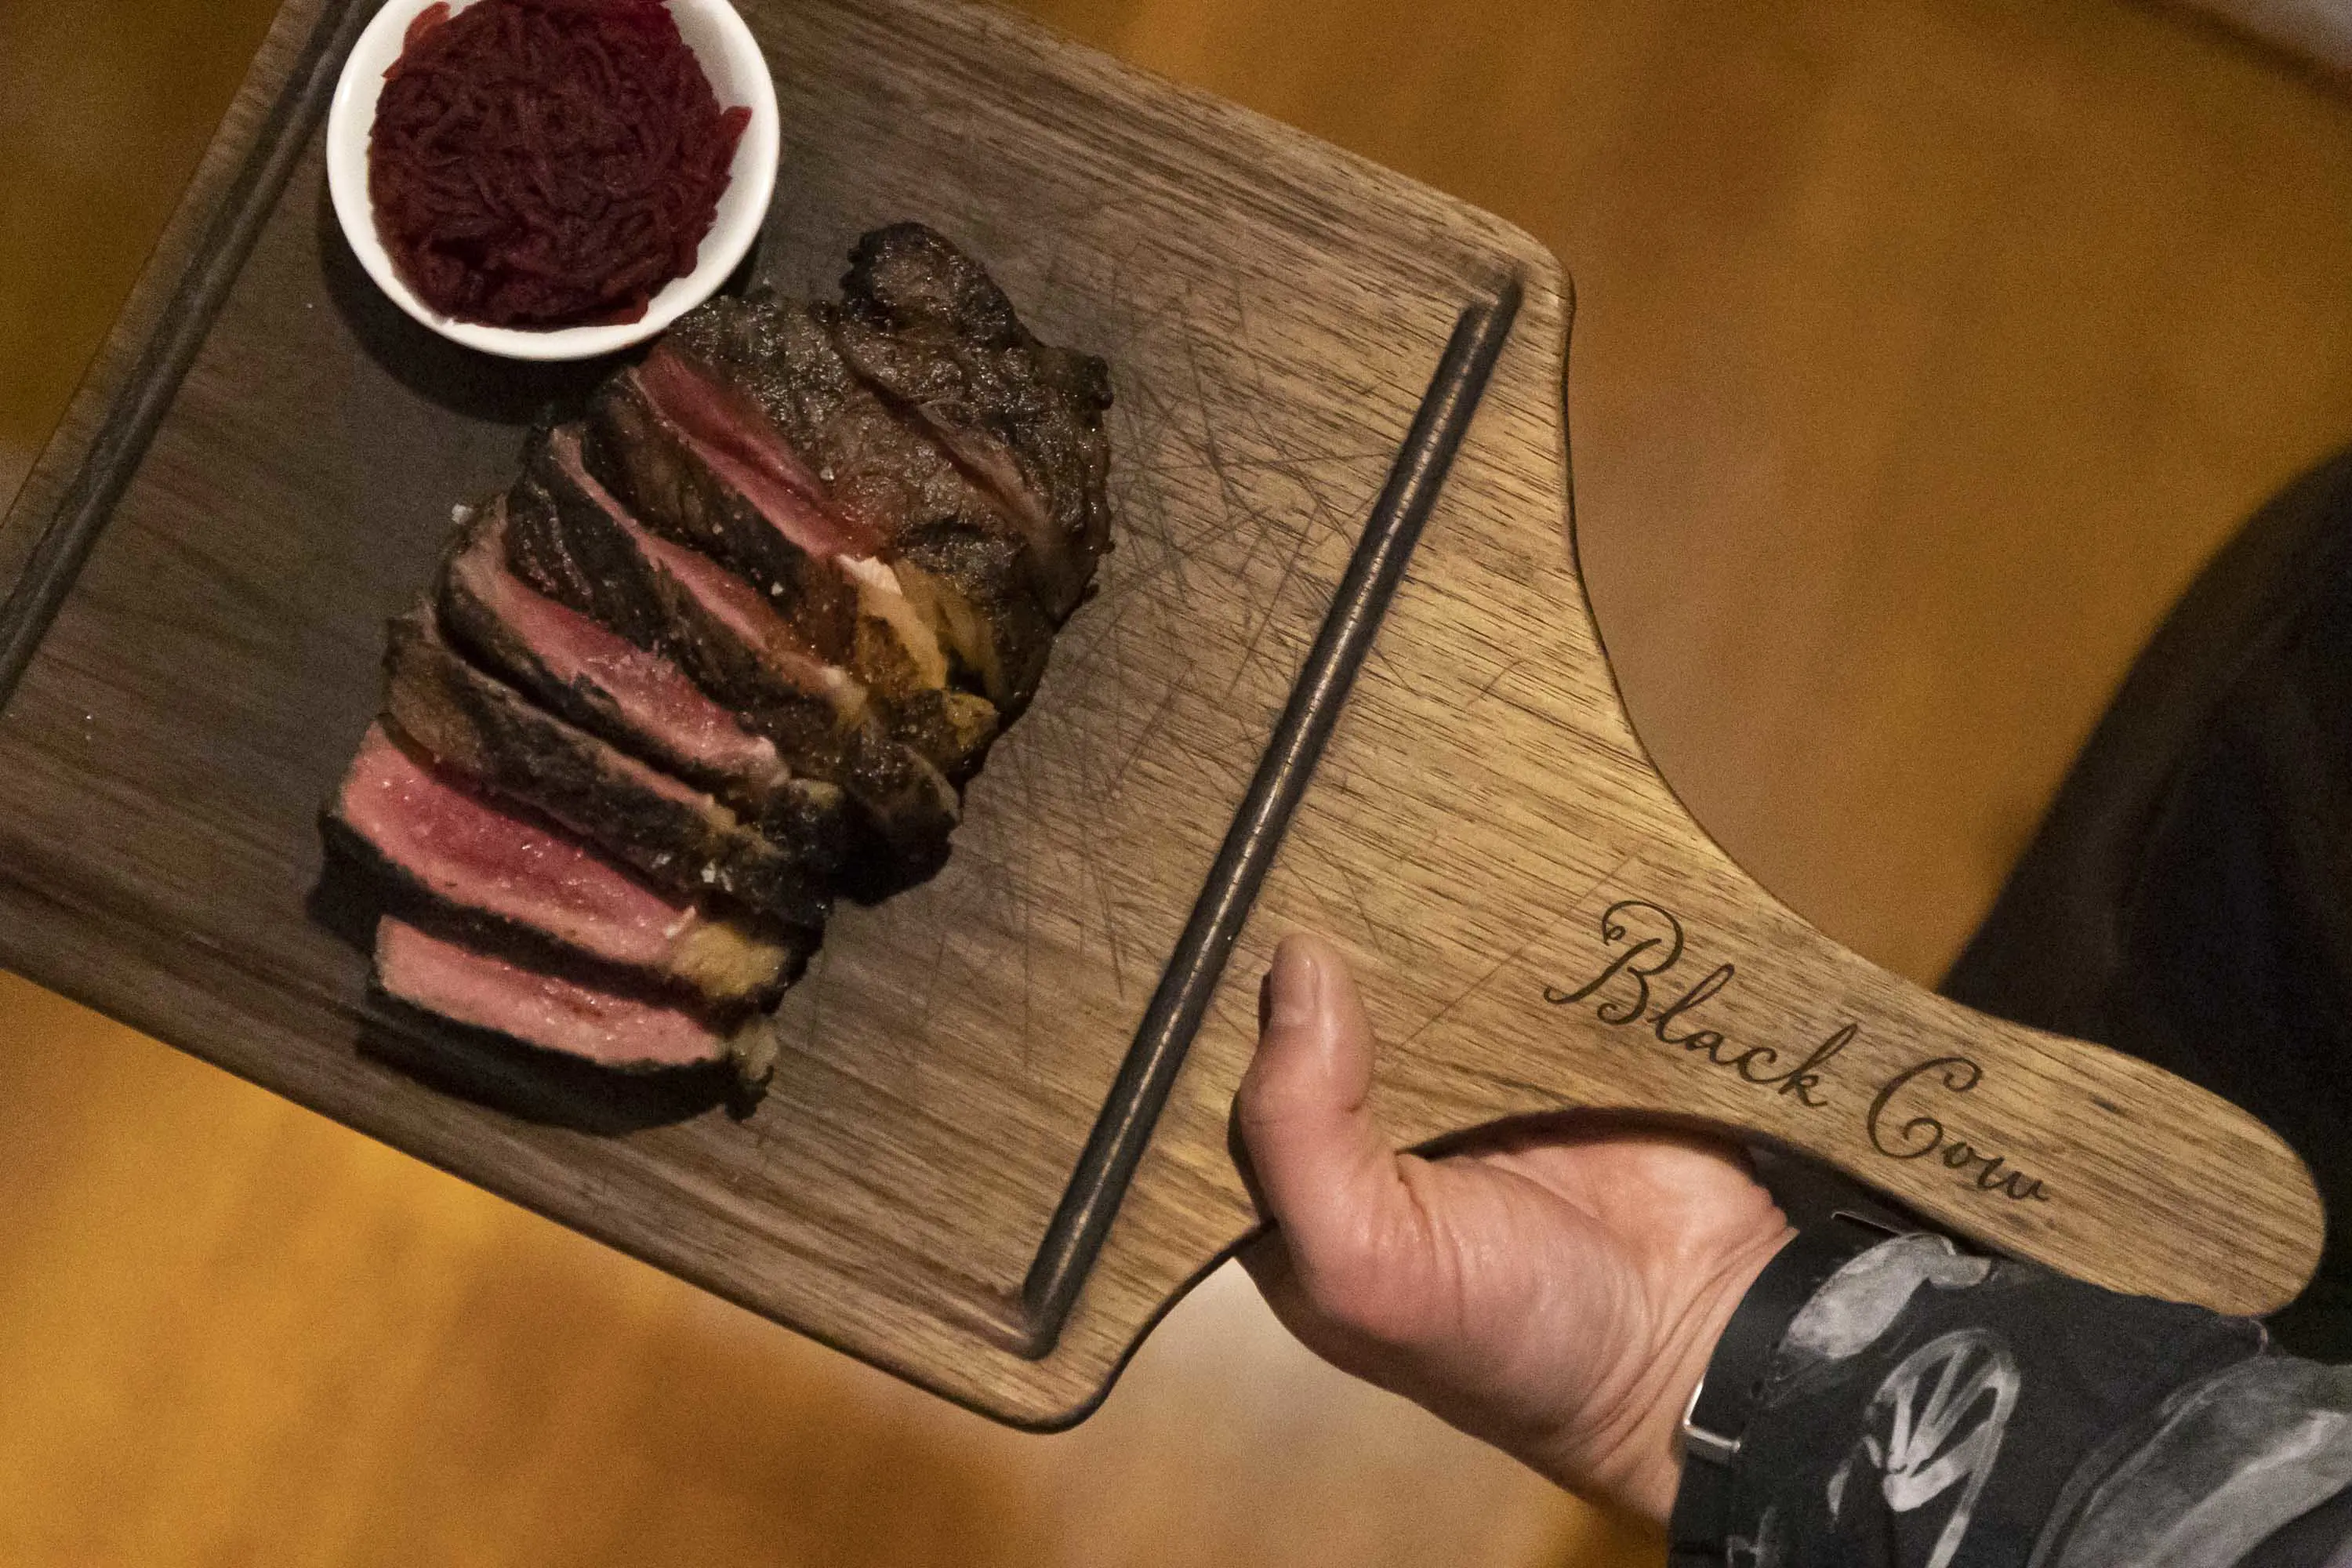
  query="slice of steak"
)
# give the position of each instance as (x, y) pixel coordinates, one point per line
(437, 838)
(570, 539)
(963, 562)
(693, 460)
(928, 327)
(496, 739)
(630, 696)
(552, 1012)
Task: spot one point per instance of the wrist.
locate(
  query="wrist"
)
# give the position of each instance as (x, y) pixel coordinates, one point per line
(1651, 1456)
(1713, 1437)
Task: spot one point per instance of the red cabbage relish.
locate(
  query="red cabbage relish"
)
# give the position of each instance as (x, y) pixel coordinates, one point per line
(544, 163)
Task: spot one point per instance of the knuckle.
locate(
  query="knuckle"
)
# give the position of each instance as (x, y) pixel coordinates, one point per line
(1270, 1103)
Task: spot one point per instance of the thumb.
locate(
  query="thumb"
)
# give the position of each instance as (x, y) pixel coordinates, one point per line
(1326, 1174)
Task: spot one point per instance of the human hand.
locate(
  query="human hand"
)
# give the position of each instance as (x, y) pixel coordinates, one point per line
(1555, 1292)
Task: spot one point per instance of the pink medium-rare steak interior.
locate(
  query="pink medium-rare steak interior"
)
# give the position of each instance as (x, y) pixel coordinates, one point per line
(737, 441)
(727, 599)
(650, 694)
(543, 1010)
(734, 438)
(475, 855)
(496, 738)
(443, 702)
(467, 852)
(737, 607)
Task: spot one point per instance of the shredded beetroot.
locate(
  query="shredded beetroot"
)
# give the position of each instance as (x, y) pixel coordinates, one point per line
(547, 163)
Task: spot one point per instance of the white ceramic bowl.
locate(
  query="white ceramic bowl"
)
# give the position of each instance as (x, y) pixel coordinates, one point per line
(731, 57)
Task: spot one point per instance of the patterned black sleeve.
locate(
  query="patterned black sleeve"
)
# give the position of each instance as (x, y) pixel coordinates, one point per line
(1927, 1409)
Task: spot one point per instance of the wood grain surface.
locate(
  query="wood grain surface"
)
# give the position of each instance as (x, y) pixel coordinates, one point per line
(1482, 804)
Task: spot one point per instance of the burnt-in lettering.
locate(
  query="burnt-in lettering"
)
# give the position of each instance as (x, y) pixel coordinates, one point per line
(1903, 1121)
(1667, 948)
(1924, 1134)
(1804, 1079)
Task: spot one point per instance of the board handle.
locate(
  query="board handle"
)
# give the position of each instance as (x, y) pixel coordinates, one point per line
(1697, 995)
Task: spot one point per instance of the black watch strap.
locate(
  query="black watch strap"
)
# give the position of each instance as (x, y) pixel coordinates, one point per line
(1725, 1401)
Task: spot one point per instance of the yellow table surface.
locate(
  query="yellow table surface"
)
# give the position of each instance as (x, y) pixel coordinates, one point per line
(1925, 350)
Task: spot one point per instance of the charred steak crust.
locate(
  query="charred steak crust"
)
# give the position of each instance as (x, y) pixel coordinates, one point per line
(924, 323)
(422, 836)
(644, 459)
(970, 566)
(803, 814)
(984, 588)
(569, 545)
(950, 730)
(489, 734)
(699, 460)
(410, 899)
(568, 542)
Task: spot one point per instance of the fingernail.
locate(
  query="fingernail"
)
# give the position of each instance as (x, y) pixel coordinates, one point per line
(1292, 984)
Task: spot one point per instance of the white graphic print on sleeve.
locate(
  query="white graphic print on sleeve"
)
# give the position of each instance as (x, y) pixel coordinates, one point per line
(1934, 1428)
(1861, 1301)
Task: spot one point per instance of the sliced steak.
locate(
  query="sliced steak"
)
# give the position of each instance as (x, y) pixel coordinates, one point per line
(695, 459)
(727, 647)
(961, 560)
(569, 538)
(448, 843)
(496, 739)
(552, 1012)
(927, 325)
(630, 696)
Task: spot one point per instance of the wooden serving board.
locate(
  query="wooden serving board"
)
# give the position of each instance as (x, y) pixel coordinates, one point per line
(987, 1162)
